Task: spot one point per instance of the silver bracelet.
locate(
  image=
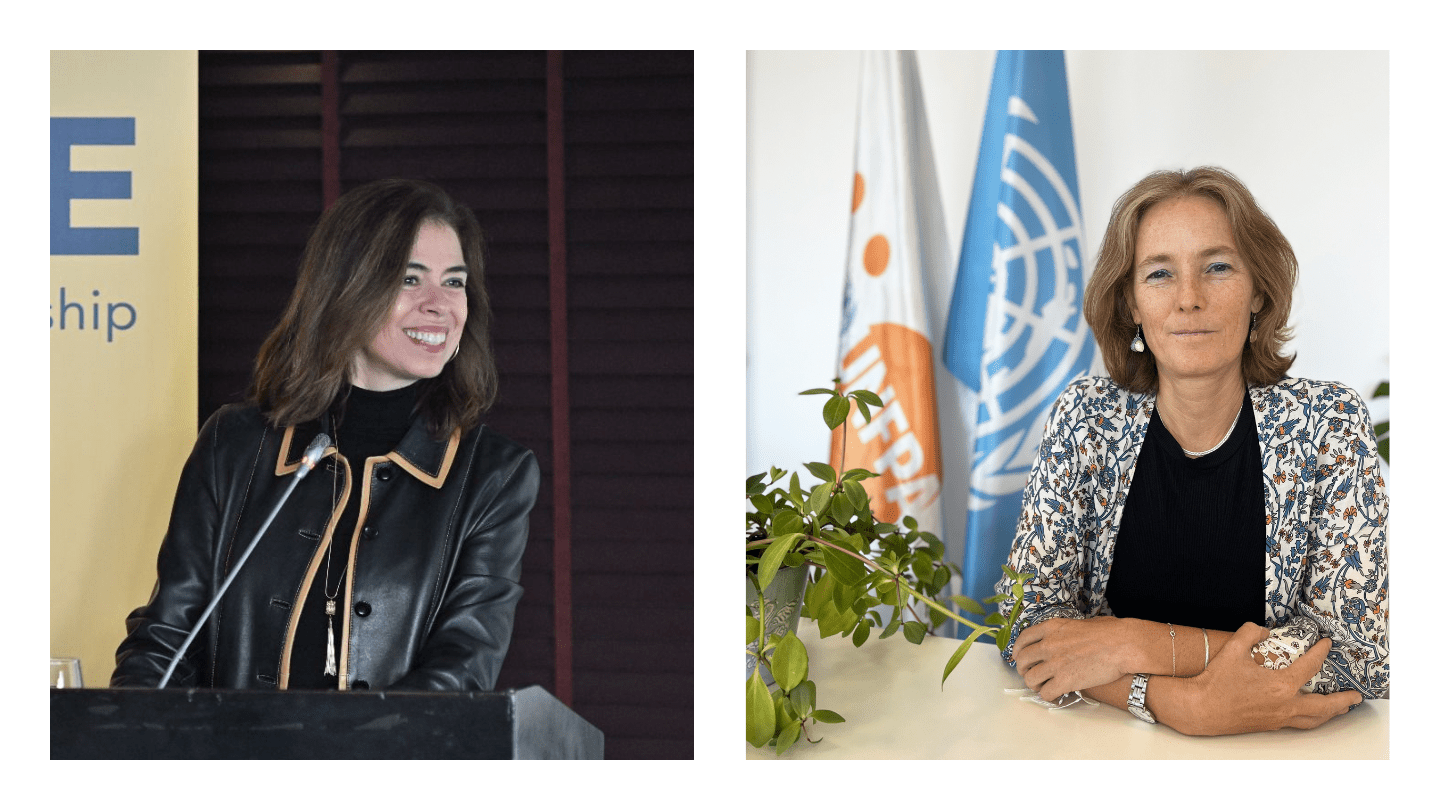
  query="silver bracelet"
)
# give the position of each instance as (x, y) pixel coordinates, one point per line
(1172, 649)
(1207, 648)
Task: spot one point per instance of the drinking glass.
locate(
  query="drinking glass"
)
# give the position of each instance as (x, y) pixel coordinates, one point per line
(65, 673)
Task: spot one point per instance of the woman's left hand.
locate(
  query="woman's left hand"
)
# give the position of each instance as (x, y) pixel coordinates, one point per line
(1067, 655)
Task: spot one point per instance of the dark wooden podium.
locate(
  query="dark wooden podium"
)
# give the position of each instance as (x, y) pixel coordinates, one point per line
(527, 723)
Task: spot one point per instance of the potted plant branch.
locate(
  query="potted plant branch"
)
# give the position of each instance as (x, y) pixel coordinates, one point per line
(859, 565)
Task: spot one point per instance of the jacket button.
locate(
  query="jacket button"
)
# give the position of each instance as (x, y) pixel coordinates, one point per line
(362, 608)
(369, 532)
(360, 685)
(384, 473)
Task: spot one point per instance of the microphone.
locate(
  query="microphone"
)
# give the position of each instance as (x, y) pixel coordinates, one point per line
(307, 463)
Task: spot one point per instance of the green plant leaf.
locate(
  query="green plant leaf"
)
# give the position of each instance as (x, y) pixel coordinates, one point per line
(941, 578)
(819, 499)
(762, 503)
(846, 568)
(864, 410)
(844, 539)
(844, 595)
(856, 495)
(1382, 390)
(802, 699)
(773, 556)
(755, 484)
(995, 619)
(759, 712)
(959, 653)
(867, 397)
(1014, 612)
(827, 716)
(892, 626)
(797, 495)
(831, 620)
(922, 566)
(841, 510)
(832, 392)
(819, 593)
(752, 628)
(821, 470)
(836, 409)
(790, 664)
(862, 632)
(966, 603)
(787, 737)
(786, 521)
(914, 632)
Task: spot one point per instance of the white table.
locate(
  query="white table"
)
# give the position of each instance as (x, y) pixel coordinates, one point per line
(889, 694)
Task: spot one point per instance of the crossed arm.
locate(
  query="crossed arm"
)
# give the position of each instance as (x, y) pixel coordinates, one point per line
(1234, 694)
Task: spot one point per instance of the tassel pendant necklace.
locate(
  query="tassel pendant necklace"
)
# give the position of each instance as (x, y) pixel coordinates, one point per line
(330, 668)
(330, 637)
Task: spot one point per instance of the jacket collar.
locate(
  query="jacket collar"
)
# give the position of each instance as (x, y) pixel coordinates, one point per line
(419, 453)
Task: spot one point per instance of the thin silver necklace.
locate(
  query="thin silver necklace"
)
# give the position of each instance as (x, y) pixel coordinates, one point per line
(330, 668)
(1233, 423)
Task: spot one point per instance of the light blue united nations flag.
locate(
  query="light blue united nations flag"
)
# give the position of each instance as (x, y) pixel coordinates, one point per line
(1015, 336)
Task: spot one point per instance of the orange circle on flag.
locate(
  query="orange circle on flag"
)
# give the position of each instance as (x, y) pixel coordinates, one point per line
(877, 254)
(859, 195)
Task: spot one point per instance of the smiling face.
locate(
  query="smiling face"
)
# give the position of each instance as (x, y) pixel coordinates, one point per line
(426, 320)
(1191, 292)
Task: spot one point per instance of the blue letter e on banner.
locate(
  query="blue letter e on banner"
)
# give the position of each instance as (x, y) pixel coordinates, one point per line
(66, 185)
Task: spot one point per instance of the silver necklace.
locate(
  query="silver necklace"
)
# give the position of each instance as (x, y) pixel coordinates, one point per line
(330, 668)
(1235, 422)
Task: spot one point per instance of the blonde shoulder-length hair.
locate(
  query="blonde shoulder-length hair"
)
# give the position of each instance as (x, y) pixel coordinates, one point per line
(1265, 251)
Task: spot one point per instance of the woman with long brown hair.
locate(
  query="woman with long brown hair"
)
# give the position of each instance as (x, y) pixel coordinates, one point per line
(397, 564)
(1206, 534)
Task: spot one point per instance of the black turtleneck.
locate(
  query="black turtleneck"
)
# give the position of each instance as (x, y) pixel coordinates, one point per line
(1191, 546)
(364, 424)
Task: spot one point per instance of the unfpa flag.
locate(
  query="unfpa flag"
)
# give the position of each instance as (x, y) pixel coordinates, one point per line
(896, 229)
(1015, 336)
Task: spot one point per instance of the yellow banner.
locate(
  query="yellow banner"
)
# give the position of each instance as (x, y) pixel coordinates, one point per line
(123, 251)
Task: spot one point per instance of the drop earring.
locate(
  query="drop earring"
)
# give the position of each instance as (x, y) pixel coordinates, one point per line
(1138, 344)
(455, 353)
(1252, 327)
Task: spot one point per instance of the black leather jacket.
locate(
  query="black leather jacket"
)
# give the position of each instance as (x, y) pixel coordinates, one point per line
(434, 567)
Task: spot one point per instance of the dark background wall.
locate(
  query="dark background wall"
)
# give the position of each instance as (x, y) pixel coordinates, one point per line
(482, 126)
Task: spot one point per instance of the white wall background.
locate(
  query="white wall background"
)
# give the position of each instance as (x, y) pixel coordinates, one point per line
(1307, 132)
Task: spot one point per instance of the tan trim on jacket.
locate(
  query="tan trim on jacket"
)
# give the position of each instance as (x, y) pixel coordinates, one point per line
(281, 468)
(438, 480)
(308, 582)
(344, 642)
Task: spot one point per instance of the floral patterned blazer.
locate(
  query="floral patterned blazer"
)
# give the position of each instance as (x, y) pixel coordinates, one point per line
(1325, 514)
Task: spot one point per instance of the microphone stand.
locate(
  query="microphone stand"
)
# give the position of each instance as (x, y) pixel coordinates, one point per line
(307, 463)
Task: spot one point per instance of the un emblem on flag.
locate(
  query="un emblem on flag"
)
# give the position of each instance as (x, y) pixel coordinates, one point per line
(1035, 340)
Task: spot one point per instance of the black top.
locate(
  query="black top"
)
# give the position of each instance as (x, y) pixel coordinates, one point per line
(371, 424)
(1191, 546)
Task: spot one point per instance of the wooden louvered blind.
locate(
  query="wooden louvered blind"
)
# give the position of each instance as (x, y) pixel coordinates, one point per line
(475, 124)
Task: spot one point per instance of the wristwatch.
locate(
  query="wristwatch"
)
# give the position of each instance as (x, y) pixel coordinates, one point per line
(1137, 698)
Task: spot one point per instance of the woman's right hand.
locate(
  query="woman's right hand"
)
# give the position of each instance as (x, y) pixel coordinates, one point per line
(1236, 695)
